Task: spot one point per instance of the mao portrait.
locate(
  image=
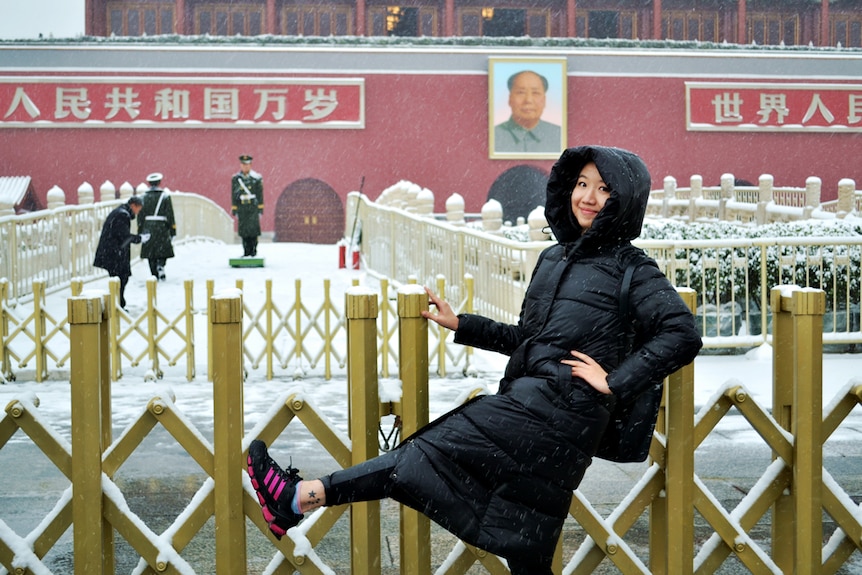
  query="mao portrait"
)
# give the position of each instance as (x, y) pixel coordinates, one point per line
(527, 108)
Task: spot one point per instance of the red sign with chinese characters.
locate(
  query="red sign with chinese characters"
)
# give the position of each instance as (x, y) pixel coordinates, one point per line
(134, 102)
(757, 107)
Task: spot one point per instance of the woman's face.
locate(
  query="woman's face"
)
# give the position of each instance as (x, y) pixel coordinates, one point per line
(589, 195)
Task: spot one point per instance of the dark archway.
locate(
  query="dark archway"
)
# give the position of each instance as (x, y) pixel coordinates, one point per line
(519, 190)
(309, 211)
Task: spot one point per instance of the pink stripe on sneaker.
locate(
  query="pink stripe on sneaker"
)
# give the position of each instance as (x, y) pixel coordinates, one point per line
(279, 489)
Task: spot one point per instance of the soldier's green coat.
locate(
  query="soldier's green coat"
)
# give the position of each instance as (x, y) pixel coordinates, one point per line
(247, 202)
(161, 225)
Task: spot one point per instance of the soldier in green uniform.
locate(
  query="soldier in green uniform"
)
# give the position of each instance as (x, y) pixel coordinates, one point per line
(247, 204)
(157, 218)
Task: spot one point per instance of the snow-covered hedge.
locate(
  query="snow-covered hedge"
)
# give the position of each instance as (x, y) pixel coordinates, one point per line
(835, 268)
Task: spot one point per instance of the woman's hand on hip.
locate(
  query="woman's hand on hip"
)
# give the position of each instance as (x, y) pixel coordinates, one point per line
(589, 370)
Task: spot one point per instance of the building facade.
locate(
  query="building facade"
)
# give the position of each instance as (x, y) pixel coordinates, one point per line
(321, 119)
(763, 22)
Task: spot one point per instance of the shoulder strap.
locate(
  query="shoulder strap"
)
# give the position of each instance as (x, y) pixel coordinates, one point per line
(628, 336)
(159, 203)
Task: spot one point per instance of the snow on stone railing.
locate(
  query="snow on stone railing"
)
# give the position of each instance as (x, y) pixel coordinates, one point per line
(59, 243)
(753, 205)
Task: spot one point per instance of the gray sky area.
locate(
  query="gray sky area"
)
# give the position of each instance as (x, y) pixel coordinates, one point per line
(51, 18)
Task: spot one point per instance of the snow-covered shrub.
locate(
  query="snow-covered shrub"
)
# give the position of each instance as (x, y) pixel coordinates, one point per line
(724, 273)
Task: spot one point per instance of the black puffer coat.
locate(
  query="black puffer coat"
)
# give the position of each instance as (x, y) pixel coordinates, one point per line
(499, 472)
(113, 251)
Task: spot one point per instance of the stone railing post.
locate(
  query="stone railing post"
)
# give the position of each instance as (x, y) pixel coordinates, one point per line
(56, 198)
(537, 222)
(846, 197)
(696, 187)
(764, 196)
(86, 194)
(492, 217)
(455, 209)
(107, 192)
(425, 202)
(225, 316)
(696, 183)
(126, 191)
(413, 371)
(727, 185)
(813, 186)
(361, 308)
(669, 194)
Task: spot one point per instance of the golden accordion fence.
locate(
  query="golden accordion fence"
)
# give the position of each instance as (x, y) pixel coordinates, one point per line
(795, 488)
(295, 336)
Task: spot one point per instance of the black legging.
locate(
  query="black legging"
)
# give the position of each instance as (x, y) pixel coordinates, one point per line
(367, 481)
(371, 481)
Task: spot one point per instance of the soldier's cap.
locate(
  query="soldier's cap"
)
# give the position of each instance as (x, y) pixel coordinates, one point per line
(154, 178)
(245, 159)
(136, 201)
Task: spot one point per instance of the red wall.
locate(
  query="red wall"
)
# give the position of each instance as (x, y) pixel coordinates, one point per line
(432, 130)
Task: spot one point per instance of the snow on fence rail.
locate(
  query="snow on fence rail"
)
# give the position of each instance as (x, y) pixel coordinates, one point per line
(59, 243)
(403, 239)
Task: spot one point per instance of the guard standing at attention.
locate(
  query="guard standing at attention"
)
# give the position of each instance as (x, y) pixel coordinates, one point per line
(157, 218)
(247, 204)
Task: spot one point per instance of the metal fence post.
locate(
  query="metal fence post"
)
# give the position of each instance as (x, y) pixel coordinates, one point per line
(415, 541)
(225, 315)
(210, 293)
(153, 327)
(782, 412)
(679, 464)
(808, 307)
(39, 331)
(108, 308)
(5, 359)
(189, 338)
(361, 309)
(86, 315)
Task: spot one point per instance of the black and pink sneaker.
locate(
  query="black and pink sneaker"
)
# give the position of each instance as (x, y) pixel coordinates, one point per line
(275, 488)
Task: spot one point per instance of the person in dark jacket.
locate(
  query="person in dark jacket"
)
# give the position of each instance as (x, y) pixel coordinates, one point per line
(114, 249)
(157, 218)
(247, 205)
(499, 471)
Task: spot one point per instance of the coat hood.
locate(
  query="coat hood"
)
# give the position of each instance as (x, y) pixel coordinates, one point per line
(622, 217)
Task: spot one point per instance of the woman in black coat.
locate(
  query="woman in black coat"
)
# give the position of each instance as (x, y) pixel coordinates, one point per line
(114, 249)
(499, 471)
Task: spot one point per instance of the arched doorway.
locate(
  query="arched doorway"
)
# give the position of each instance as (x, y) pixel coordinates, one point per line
(519, 190)
(309, 211)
